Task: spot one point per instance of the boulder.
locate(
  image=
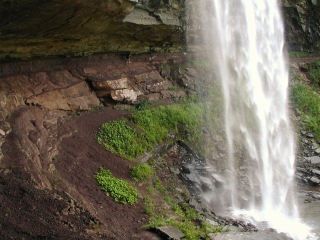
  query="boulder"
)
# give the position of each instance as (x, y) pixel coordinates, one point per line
(186, 78)
(171, 232)
(111, 84)
(314, 180)
(166, 94)
(159, 86)
(74, 97)
(2, 133)
(313, 160)
(126, 95)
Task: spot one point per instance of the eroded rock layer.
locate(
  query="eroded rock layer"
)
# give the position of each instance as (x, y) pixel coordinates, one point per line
(42, 29)
(82, 84)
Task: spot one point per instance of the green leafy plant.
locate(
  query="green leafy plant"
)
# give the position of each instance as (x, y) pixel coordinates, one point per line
(313, 72)
(143, 105)
(141, 172)
(148, 205)
(119, 138)
(308, 103)
(299, 54)
(155, 124)
(156, 221)
(119, 189)
(158, 186)
(152, 162)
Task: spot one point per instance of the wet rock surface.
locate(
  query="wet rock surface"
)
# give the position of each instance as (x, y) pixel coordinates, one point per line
(36, 29)
(308, 159)
(302, 25)
(195, 175)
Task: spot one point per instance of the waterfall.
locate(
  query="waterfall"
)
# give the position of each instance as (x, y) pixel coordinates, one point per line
(244, 39)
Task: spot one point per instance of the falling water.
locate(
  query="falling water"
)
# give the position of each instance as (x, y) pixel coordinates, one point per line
(245, 40)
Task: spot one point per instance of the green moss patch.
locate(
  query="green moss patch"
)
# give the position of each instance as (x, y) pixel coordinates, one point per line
(155, 124)
(141, 172)
(119, 189)
(308, 103)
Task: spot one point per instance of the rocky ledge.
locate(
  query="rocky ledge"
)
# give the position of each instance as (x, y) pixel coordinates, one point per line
(82, 84)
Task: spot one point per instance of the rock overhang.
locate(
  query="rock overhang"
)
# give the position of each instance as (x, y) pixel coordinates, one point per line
(44, 29)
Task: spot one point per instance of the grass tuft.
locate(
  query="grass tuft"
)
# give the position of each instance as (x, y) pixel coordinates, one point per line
(141, 172)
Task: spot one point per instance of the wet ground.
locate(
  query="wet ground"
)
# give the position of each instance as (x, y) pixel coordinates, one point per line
(309, 207)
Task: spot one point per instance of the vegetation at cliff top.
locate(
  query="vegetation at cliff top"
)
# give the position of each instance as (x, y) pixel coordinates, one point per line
(119, 189)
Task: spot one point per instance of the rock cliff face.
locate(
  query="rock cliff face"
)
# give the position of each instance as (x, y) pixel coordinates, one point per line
(44, 29)
(41, 29)
(302, 24)
(81, 84)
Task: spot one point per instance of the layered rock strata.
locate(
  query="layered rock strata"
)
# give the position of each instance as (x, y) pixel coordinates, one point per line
(80, 87)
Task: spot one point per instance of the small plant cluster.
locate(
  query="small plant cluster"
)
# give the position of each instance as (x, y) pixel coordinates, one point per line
(308, 103)
(313, 72)
(143, 105)
(300, 54)
(159, 121)
(185, 218)
(156, 123)
(119, 138)
(185, 224)
(119, 189)
(141, 172)
(148, 205)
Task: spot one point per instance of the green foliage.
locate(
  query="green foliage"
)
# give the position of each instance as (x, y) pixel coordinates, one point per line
(185, 222)
(295, 75)
(151, 190)
(189, 228)
(308, 102)
(158, 122)
(119, 138)
(148, 205)
(152, 162)
(143, 105)
(119, 189)
(158, 186)
(141, 172)
(165, 66)
(156, 221)
(313, 72)
(300, 54)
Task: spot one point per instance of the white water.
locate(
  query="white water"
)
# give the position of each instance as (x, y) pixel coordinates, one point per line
(245, 40)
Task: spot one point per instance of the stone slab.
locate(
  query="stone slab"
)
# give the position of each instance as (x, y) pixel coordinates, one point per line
(172, 232)
(313, 160)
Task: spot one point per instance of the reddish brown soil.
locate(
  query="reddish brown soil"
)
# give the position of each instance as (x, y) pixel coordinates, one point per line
(75, 207)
